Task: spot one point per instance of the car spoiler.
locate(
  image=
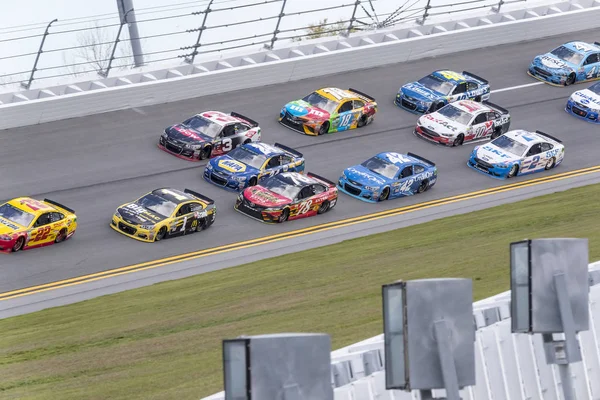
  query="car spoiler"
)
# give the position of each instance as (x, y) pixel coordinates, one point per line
(476, 77)
(238, 115)
(59, 205)
(548, 136)
(289, 150)
(422, 159)
(366, 96)
(495, 107)
(597, 43)
(320, 178)
(200, 196)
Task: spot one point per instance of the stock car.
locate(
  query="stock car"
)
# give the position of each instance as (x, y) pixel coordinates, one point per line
(26, 223)
(209, 134)
(439, 88)
(251, 164)
(388, 175)
(463, 121)
(329, 110)
(585, 104)
(517, 152)
(572, 62)
(287, 196)
(164, 213)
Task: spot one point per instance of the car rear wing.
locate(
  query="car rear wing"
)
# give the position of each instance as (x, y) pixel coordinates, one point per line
(240, 116)
(321, 179)
(548, 136)
(200, 196)
(422, 159)
(597, 43)
(495, 107)
(361, 94)
(289, 150)
(54, 203)
(476, 77)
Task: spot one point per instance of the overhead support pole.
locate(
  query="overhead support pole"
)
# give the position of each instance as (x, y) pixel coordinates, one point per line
(134, 35)
(105, 73)
(37, 58)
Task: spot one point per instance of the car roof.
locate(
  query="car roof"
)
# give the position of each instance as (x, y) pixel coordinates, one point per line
(296, 179)
(582, 47)
(399, 160)
(264, 148)
(525, 137)
(470, 106)
(450, 76)
(31, 206)
(219, 118)
(337, 94)
(173, 195)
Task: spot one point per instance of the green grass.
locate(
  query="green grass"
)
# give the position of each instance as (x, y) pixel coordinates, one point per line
(164, 341)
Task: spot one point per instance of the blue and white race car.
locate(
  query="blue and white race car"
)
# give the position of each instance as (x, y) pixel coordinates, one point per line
(439, 88)
(573, 62)
(517, 152)
(585, 104)
(387, 176)
(251, 163)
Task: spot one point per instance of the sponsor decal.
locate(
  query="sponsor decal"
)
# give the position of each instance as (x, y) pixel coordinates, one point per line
(420, 90)
(440, 122)
(188, 132)
(552, 62)
(265, 196)
(34, 204)
(232, 165)
(365, 175)
(8, 223)
(141, 211)
(584, 98)
(494, 151)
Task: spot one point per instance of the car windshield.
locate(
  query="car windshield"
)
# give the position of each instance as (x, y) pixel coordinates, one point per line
(15, 215)
(157, 204)
(439, 85)
(456, 114)
(567, 55)
(381, 167)
(510, 145)
(316, 100)
(282, 187)
(204, 126)
(248, 157)
(595, 88)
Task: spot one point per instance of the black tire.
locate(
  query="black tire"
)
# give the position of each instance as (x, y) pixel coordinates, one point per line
(385, 194)
(162, 233)
(513, 171)
(497, 132)
(253, 181)
(323, 208)
(478, 99)
(435, 106)
(324, 128)
(423, 186)
(285, 214)
(459, 140)
(571, 79)
(205, 152)
(18, 244)
(362, 121)
(245, 142)
(61, 237)
(550, 164)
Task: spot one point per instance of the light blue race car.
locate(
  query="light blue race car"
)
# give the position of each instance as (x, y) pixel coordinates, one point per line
(573, 62)
(517, 152)
(585, 104)
(250, 164)
(387, 176)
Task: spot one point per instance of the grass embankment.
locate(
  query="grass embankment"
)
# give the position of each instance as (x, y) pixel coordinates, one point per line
(164, 341)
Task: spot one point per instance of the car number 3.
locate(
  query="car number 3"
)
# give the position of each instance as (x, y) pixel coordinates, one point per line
(226, 144)
(303, 208)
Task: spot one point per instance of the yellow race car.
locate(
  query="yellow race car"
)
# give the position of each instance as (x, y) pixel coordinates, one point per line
(26, 223)
(164, 213)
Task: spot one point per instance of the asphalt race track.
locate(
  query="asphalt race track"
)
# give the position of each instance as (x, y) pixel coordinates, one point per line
(96, 163)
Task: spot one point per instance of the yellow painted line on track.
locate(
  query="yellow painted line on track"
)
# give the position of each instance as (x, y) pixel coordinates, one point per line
(293, 234)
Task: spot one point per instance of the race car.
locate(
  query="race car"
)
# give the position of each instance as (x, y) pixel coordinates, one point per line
(251, 164)
(164, 213)
(573, 62)
(439, 88)
(209, 134)
(26, 223)
(463, 121)
(329, 110)
(585, 104)
(287, 196)
(517, 152)
(388, 175)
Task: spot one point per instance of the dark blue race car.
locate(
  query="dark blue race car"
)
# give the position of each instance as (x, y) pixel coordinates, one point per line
(585, 104)
(573, 62)
(439, 88)
(250, 164)
(387, 176)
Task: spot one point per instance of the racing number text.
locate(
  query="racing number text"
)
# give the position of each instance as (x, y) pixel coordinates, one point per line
(42, 233)
(303, 208)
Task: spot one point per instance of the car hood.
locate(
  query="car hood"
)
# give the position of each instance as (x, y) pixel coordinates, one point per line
(229, 166)
(548, 61)
(264, 197)
(420, 92)
(494, 155)
(364, 176)
(587, 98)
(8, 227)
(440, 124)
(186, 134)
(135, 214)
(302, 109)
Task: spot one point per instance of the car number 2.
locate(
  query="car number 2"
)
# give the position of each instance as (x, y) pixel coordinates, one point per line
(303, 208)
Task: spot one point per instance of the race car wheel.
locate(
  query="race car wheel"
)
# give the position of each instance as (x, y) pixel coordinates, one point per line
(570, 80)
(324, 128)
(324, 207)
(62, 235)
(423, 186)
(435, 106)
(285, 214)
(497, 132)
(459, 140)
(18, 244)
(478, 99)
(513, 171)
(161, 234)
(253, 181)
(362, 121)
(550, 164)
(385, 194)
(205, 152)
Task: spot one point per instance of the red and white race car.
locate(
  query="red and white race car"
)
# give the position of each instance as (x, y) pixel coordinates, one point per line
(209, 134)
(463, 121)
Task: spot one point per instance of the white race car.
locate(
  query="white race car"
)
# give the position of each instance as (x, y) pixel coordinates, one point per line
(463, 121)
(585, 104)
(517, 152)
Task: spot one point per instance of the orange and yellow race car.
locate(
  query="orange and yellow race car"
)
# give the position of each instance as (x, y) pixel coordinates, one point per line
(26, 223)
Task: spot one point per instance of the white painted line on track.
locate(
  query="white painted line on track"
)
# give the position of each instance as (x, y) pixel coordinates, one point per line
(517, 87)
(137, 110)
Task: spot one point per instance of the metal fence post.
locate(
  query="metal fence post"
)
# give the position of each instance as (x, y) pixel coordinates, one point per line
(274, 38)
(497, 8)
(425, 14)
(202, 29)
(28, 84)
(104, 74)
(352, 19)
